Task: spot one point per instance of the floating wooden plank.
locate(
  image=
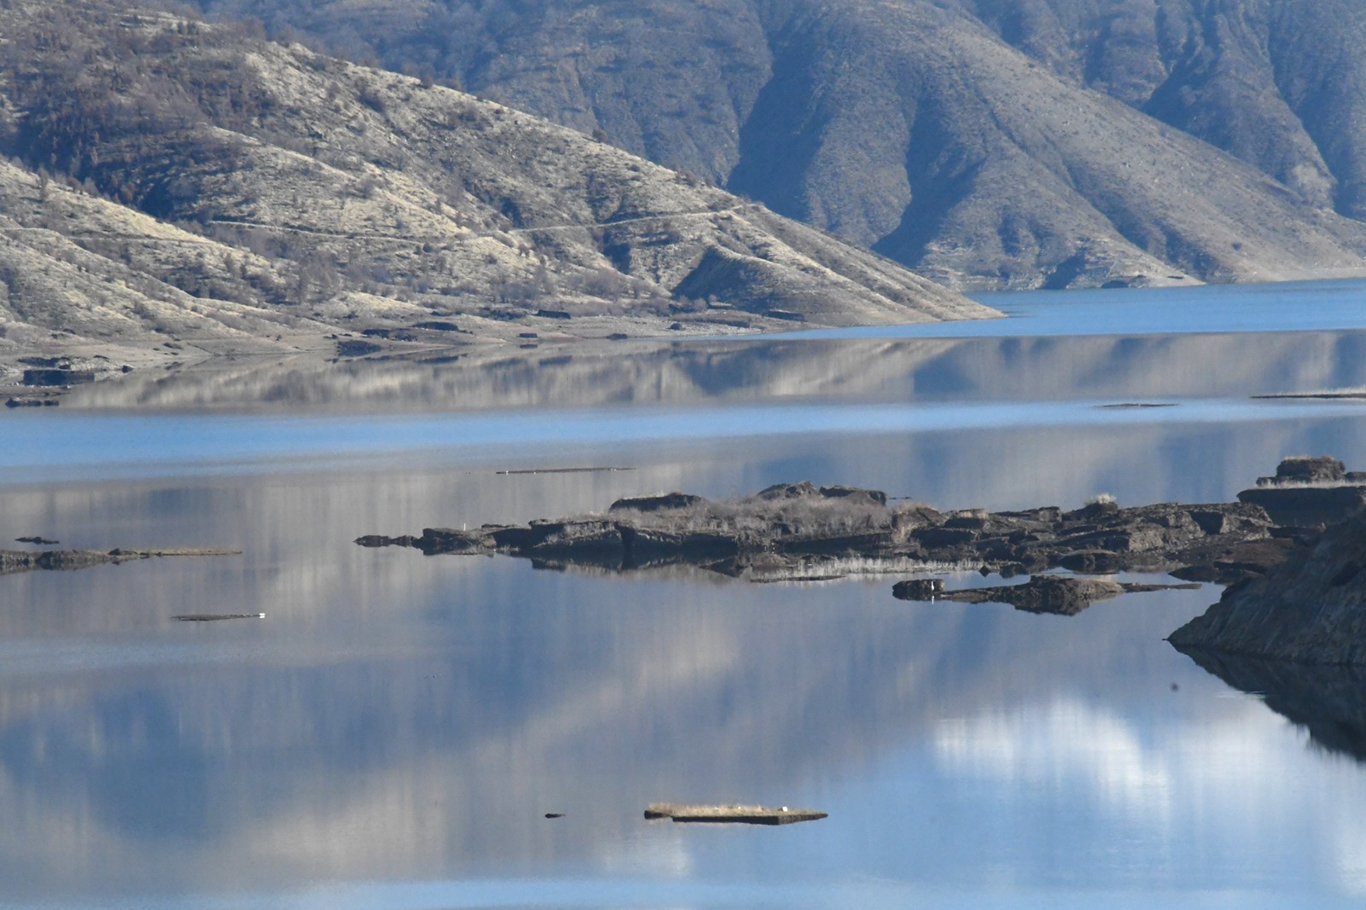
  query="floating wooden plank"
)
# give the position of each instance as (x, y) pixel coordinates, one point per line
(731, 814)
(216, 617)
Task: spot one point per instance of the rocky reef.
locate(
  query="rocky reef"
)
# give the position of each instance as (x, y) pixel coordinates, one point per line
(801, 531)
(12, 561)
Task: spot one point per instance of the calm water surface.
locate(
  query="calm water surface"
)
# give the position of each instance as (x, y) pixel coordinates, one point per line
(393, 732)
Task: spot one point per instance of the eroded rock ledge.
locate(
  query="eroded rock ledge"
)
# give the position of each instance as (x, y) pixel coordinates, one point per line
(800, 531)
(1311, 608)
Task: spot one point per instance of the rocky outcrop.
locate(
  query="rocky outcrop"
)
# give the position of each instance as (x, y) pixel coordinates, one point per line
(1310, 608)
(799, 530)
(1310, 492)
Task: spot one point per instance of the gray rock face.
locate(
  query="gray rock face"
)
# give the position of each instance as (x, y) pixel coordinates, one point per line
(1310, 608)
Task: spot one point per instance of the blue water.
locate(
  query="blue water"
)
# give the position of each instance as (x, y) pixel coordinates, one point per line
(392, 734)
(1302, 306)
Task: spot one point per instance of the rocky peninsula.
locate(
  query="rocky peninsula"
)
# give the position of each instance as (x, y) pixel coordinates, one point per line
(1308, 609)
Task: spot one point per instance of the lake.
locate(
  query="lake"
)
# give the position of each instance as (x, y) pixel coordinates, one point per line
(394, 731)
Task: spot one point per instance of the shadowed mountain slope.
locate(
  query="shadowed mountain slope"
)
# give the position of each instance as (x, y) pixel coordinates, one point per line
(985, 143)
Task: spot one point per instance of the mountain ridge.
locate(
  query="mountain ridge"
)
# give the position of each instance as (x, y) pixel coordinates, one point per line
(989, 144)
(177, 189)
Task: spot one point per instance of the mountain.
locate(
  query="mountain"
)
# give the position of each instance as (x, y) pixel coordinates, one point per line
(176, 189)
(985, 143)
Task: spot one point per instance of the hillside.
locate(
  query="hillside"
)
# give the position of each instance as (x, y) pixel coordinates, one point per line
(985, 143)
(176, 189)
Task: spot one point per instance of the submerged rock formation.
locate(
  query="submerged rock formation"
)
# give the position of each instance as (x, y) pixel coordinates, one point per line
(12, 561)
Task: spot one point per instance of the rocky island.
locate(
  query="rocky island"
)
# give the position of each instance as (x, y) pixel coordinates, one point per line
(799, 531)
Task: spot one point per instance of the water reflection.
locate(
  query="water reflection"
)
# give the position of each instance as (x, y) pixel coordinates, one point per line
(398, 725)
(1327, 701)
(1102, 368)
(398, 717)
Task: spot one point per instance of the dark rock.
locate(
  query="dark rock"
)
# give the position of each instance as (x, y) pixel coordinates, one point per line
(31, 402)
(918, 589)
(577, 537)
(1092, 562)
(450, 540)
(1057, 594)
(644, 546)
(552, 314)
(1310, 608)
(854, 494)
(1306, 506)
(789, 490)
(656, 503)
(871, 543)
(936, 538)
(354, 347)
(379, 540)
(1092, 510)
(1307, 469)
(56, 377)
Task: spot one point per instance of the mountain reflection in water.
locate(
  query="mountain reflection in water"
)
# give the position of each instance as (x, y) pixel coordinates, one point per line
(1106, 369)
(394, 730)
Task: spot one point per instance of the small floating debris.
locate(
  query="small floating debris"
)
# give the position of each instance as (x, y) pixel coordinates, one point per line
(1133, 405)
(554, 815)
(42, 541)
(216, 617)
(564, 470)
(731, 814)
